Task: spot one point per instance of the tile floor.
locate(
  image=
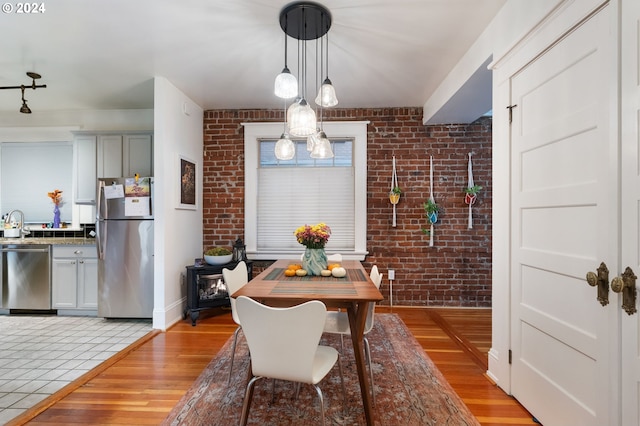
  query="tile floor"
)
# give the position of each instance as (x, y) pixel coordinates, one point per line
(39, 355)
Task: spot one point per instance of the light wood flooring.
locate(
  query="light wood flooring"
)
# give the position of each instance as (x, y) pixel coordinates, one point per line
(141, 385)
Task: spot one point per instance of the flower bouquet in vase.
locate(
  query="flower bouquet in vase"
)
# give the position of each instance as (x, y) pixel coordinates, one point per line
(314, 238)
(56, 197)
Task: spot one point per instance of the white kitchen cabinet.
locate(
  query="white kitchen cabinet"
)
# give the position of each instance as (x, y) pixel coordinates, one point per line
(137, 155)
(74, 274)
(84, 160)
(109, 156)
(125, 155)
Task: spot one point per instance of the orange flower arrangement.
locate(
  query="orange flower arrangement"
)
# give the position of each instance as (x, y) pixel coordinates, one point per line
(56, 196)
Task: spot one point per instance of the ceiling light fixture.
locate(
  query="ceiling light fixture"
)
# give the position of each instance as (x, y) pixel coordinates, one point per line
(305, 21)
(34, 76)
(285, 148)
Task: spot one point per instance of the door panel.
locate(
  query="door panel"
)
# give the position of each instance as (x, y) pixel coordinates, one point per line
(630, 212)
(562, 227)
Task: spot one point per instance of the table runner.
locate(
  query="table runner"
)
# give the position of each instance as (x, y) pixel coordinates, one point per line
(352, 275)
(313, 283)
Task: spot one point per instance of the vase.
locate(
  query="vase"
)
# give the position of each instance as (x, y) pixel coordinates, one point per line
(433, 217)
(56, 217)
(314, 261)
(470, 198)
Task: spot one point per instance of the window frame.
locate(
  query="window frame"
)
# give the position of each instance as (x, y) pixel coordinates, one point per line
(253, 133)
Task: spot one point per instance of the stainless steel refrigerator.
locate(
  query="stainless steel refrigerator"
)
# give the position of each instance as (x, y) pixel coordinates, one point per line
(124, 229)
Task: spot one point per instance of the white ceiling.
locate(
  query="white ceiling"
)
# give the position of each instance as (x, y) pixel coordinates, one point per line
(226, 53)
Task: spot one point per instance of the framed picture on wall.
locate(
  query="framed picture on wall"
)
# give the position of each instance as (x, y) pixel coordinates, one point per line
(187, 184)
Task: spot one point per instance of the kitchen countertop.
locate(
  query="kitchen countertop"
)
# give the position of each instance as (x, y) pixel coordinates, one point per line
(51, 240)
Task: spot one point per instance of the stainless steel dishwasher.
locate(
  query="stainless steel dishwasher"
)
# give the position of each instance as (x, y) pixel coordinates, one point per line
(26, 276)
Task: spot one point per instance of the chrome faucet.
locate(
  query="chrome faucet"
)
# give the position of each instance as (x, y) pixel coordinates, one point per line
(7, 220)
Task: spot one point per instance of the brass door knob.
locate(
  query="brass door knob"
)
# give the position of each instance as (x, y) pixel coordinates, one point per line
(600, 278)
(626, 284)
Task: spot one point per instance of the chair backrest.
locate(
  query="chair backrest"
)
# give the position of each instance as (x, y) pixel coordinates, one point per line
(376, 277)
(282, 341)
(235, 279)
(336, 257)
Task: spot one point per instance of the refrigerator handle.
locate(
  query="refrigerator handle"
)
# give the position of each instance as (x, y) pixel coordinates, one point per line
(99, 221)
(101, 237)
(99, 202)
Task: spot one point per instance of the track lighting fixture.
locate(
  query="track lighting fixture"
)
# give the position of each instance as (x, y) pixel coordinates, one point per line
(33, 76)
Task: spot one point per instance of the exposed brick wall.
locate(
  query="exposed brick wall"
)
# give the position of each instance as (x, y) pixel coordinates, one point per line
(456, 271)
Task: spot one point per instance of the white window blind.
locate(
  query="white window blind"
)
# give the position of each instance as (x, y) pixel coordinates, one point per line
(29, 171)
(305, 191)
(292, 197)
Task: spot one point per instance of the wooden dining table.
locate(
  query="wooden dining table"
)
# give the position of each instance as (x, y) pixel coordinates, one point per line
(353, 293)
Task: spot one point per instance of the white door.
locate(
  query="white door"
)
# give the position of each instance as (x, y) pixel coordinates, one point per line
(630, 202)
(564, 223)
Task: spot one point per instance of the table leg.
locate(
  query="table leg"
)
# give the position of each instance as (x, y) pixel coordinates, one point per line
(357, 317)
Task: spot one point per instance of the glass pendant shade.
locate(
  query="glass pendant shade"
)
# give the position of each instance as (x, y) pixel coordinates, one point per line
(311, 141)
(286, 85)
(322, 147)
(327, 94)
(292, 108)
(285, 148)
(303, 120)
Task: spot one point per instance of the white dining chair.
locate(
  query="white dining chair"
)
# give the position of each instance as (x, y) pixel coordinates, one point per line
(284, 345)
(235, 279)
(337, 322)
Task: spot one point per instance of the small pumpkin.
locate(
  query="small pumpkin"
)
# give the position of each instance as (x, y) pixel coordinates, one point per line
(339, 272)
(325, 273)
(332, 265)
(301, 272)
(295, 266)
(290, 273)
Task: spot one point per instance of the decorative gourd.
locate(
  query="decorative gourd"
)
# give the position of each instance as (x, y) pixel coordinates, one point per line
(325, 273)
(301, 272)
(290, 273)
(339, 272)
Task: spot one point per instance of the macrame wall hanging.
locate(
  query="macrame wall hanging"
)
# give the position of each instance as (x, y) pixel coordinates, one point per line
(431, 207)
(471, 191)
(394, 193)
(469, 197)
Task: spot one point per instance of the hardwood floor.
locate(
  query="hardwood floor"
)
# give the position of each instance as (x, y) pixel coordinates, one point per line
(141, 386)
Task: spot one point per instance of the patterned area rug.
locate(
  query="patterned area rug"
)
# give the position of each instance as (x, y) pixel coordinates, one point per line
(409, 388)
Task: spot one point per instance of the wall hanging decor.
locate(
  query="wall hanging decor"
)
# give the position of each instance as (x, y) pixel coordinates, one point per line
(430, 207)
(394, 194)
(471, 191)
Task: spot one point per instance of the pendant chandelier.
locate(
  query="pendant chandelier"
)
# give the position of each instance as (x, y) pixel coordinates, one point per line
(305, 21)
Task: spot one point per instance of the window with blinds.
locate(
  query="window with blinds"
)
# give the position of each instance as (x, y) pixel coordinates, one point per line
(305, 191)
(29, 171)
(280, 196)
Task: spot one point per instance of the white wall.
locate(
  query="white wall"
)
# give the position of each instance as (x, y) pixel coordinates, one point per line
(178, 232)
(57, 125)
(465, 94)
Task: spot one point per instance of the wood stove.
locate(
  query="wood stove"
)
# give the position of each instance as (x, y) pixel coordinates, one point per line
(206, 288)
